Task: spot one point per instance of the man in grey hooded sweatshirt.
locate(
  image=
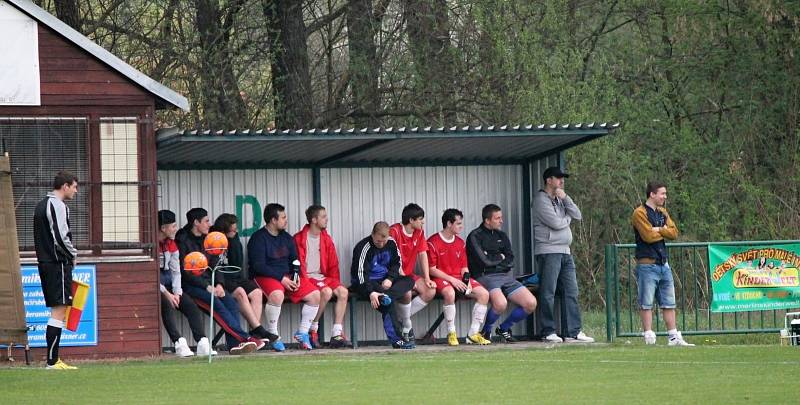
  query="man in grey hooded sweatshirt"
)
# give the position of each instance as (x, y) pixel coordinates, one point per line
(553, 211)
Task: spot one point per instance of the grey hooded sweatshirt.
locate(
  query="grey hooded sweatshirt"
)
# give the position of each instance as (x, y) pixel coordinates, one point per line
(551, 220)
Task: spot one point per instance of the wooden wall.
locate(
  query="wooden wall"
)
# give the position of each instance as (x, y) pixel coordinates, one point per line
(71, 76)
(74, 83)
(127, 312)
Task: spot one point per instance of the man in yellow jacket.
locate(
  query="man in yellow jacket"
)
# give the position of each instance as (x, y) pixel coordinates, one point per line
(652, 225)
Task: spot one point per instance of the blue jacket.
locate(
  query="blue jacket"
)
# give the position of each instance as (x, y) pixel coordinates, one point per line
(270, 256)
(371, 265)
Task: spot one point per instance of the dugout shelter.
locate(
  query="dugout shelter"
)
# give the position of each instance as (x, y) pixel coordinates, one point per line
(363, 175)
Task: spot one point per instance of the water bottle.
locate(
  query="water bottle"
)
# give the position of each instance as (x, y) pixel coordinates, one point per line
(296, 271)
(385, 300)
(465, 279)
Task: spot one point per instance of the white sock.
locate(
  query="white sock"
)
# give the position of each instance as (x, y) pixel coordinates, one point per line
(673, 333)
(314, 326)
(337, 329)
(450, 317)
(416, 305)
(404, 312)
(478, 315)
(273, 313)
(306, 316)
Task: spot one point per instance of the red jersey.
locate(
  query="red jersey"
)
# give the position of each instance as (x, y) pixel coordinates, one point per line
(409, 246)
(449, 257)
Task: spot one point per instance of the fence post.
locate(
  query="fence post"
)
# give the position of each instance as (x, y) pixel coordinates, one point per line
(609, 260)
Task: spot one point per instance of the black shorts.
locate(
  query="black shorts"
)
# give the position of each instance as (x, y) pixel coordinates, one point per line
(56, 281)
(232, 284)
(504, 281)
(400, 287)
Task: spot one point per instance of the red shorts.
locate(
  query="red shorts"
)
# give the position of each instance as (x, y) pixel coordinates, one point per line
(269, 284)
(329, 282)
(441, 284)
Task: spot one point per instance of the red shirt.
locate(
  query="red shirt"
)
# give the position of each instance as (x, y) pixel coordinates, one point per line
(449, 257)
(409, 246)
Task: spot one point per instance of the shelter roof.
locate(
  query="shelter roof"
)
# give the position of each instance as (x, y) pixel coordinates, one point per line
(354, 147)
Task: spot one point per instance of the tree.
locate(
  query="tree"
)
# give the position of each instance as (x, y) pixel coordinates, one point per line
(428, 29)
(363, 62)
(291, 80)
(222, 103)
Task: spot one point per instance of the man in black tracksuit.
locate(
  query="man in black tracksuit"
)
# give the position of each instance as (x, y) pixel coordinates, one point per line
(55, 254)
(226, 310)
(375, 273)
(491, 261)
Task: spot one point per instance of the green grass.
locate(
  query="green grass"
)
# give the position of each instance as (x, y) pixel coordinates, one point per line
(610, 374)
(594, 324)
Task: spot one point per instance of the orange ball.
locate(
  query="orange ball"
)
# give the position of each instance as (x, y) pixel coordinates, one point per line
(216, 243)
(195, 263)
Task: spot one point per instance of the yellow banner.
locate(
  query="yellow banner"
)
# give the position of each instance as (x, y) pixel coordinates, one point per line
(757, 278)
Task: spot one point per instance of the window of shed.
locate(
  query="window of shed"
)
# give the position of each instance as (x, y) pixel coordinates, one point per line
(39, 147)
(119, 173)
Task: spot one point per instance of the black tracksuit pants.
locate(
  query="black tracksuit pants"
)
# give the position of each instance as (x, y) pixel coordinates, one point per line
(189, 309)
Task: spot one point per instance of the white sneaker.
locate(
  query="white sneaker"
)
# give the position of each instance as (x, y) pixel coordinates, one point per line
(649, 337)
(677, 340)
(203, 347)
(553, 338)
(182, 348)
(580, 338)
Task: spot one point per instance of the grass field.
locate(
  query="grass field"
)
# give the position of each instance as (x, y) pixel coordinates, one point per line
(503, 374)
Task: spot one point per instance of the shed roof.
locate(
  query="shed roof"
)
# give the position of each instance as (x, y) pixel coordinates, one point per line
(164, 95)
(468, 145)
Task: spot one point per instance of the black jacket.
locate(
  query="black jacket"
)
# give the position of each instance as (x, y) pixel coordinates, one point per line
(484, 248)
(188, 243)
(371, 265)
(235, 257)
(51, 234)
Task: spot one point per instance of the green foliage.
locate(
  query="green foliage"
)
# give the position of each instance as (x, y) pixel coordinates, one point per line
(708, 93)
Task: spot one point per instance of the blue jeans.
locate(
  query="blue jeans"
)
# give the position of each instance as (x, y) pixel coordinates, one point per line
(226, 313)
(655, 281)
(557, 276)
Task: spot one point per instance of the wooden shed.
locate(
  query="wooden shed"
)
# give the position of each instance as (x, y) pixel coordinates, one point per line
(67, 103)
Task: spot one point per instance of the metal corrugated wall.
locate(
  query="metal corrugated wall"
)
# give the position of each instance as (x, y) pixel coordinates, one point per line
(356, 198)
(217, 190)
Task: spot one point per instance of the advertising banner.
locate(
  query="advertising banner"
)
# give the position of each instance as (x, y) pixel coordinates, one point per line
(37, 314)
(755, 277)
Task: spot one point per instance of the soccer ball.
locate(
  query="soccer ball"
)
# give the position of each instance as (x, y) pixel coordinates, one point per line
(216, 243)
(195, 263)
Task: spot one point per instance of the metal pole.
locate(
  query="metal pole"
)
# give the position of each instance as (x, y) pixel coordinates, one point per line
(609, 293)
(211, 321)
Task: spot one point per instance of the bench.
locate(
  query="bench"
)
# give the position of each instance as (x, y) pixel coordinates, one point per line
(353, 313)
(428, 337)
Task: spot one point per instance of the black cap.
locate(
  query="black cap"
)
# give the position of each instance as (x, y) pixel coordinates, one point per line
(166, 217)
(553, 172)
